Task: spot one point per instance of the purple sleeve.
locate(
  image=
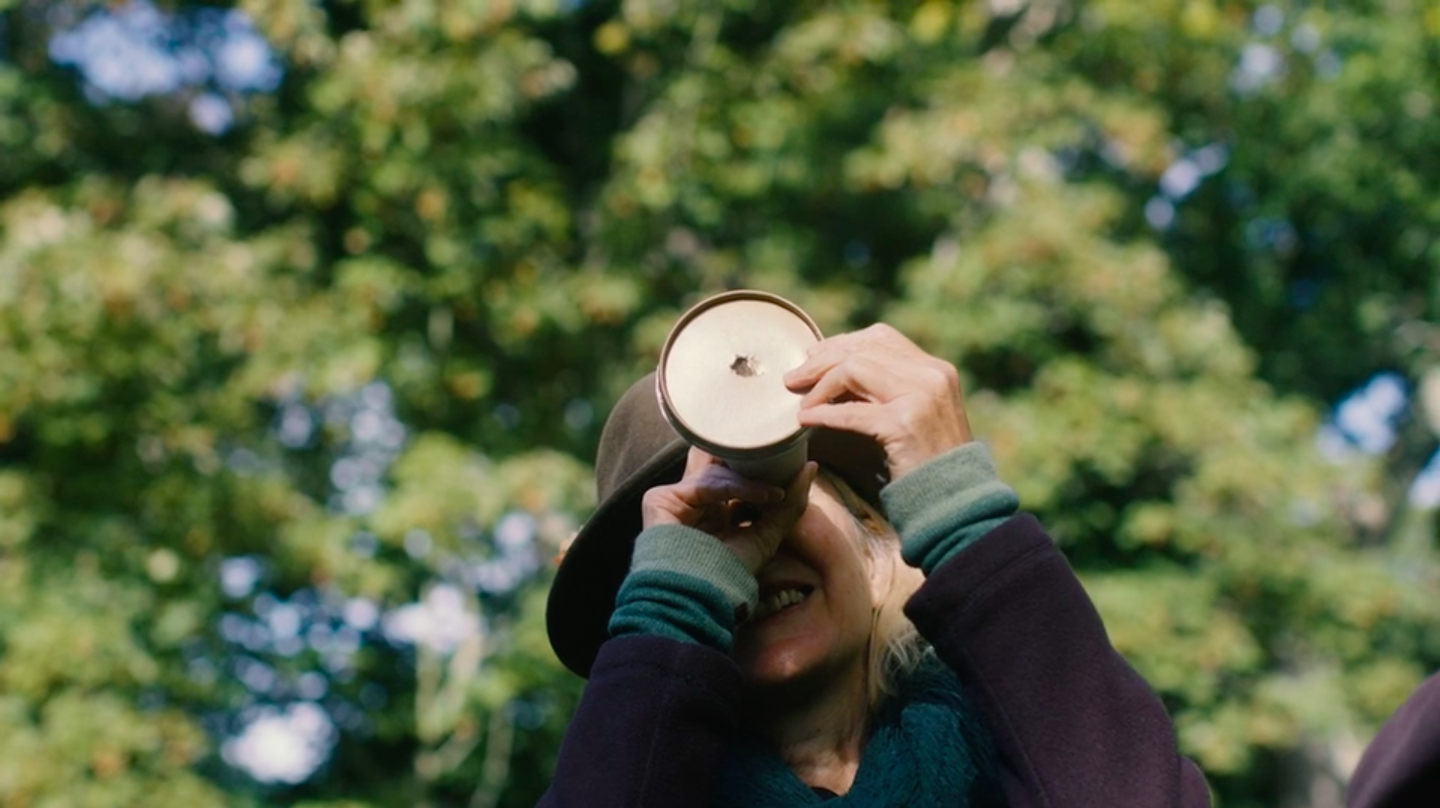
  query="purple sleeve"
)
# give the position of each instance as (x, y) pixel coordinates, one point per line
(1401, 767)
(1075, 725)
(652, 727)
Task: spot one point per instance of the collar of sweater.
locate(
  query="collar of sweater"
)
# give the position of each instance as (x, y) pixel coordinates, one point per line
(928, 748)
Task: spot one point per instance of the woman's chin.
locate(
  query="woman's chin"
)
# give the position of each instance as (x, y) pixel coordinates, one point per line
(773, 680)
(767, 665)
(797, 644)
(779, 684)
(779, 661)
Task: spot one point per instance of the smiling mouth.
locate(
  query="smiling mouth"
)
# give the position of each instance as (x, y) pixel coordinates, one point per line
(781, 599)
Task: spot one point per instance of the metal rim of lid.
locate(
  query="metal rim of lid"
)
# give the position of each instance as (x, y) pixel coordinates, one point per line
(676, 421)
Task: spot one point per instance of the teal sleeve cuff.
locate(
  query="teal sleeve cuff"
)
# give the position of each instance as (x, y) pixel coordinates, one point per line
(942, 507)
(684, 584)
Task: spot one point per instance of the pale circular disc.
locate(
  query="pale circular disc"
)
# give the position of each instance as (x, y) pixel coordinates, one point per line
(724, 372)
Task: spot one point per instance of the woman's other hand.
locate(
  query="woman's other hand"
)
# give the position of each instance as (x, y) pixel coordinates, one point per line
(750, 518)
(878, 383)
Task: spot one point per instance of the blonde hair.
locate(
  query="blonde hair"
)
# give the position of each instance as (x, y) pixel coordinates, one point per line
(896, 648)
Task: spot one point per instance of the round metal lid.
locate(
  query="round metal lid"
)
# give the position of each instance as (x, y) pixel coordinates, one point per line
(721, 371)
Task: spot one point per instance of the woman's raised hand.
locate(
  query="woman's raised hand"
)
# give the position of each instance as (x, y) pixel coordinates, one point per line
(751, 518)
(878, 383)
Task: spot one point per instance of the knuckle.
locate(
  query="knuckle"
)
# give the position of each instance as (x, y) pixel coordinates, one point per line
(910, 420)
(943, 374)
(951, 374)
(882, 331)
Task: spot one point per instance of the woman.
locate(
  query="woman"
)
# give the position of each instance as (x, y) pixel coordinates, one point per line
(755, 654)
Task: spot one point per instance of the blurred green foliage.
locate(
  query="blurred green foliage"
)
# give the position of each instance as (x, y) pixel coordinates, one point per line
(268, 391)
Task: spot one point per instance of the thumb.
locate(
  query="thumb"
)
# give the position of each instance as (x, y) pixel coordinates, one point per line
(797, 495)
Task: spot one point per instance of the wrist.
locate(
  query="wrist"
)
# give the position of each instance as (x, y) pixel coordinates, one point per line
(683, 585)
(692, 552)
(946, 504)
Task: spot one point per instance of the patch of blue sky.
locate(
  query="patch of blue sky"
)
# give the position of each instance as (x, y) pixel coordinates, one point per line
(1425, 491)
(135, 50)
(1180, 179)
(1366, 420)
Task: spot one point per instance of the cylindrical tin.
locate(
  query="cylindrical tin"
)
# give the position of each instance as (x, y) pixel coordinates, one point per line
(720, 381)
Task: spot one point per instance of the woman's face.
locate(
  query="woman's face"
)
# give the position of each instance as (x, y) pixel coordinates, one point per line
(816, 600)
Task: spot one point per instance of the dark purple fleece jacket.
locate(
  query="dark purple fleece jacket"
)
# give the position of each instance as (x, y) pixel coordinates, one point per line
(1401, 767)
(1074, 724)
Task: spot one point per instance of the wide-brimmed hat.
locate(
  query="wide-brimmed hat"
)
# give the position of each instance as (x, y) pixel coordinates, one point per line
(638, 451)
